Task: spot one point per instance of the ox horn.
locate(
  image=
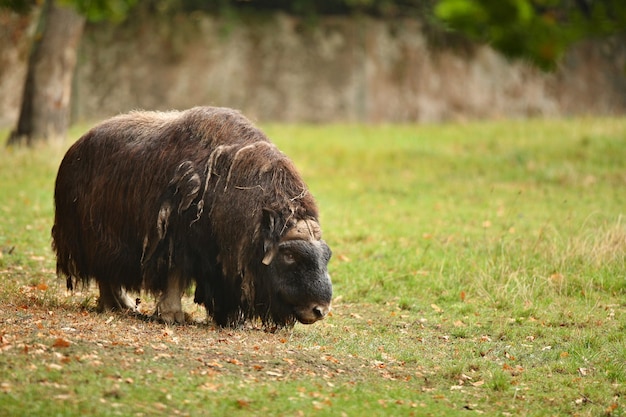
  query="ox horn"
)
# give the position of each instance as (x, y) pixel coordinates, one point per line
(304, 230)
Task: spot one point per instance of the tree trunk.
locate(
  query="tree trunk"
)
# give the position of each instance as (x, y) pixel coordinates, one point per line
(44, 115)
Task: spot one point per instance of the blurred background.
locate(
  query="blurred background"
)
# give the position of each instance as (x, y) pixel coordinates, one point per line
(372, 61)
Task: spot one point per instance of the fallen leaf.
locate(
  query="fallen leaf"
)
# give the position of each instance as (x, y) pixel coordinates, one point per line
(556, 277)
(61, 343)
(243, 403)
(436, 308)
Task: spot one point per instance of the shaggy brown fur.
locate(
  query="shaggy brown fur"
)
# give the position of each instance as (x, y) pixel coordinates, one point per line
(147, 198)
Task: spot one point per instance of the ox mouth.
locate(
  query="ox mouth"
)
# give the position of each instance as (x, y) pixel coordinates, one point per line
(311, 314)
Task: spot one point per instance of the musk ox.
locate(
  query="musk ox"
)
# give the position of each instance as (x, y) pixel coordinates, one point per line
(159, 201)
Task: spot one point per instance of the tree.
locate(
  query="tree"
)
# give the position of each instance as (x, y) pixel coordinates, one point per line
(538, 30)
(44, 112)
(45, 109)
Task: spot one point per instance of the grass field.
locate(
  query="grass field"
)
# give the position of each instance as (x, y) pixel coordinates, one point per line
(478, 269)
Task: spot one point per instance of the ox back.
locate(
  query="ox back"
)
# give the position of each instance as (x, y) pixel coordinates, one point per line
(159, 201)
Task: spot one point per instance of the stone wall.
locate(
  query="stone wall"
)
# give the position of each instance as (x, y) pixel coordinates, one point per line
(279, 68)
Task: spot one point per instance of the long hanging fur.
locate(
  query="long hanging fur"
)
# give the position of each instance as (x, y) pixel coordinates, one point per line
(202, 190)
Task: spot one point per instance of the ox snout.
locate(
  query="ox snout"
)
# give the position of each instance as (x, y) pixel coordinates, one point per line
(312, 313)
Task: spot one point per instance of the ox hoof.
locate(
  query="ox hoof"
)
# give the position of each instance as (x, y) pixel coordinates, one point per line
(115, 298)
(170, 317)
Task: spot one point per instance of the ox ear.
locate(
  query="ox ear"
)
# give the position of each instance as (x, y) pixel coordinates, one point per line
(268, 231)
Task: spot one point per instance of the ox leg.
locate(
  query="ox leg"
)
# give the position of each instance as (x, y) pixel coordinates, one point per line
(169, 308)
(113, 297)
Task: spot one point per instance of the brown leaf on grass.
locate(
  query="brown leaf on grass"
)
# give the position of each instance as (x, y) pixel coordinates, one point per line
(214, 364)
(209, 386)
(243, 403)
(343, 258)
(160, 406)
(330, 358)
(557, 277)
(513, 370)
(61, 343)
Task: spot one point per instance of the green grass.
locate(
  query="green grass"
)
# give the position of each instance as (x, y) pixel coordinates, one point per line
(478, 269)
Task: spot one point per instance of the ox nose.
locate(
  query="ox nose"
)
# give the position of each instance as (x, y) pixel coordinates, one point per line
(321, 311)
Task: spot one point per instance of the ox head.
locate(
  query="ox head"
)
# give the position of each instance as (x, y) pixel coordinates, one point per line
(298, 269)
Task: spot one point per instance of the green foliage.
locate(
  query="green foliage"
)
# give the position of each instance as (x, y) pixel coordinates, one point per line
(477, 268)
(19, 6)
(94, 10)
(539, 30)
(308, 8)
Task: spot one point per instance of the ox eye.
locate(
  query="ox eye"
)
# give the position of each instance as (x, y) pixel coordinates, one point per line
(288, 258)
